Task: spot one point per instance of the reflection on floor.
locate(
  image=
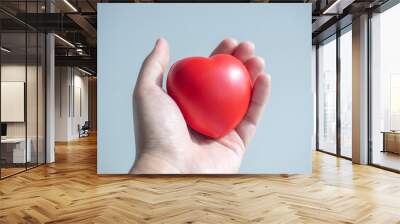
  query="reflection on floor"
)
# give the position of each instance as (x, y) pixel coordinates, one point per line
(70, 191)
(10, 169)
(386, 159)
(346, 152)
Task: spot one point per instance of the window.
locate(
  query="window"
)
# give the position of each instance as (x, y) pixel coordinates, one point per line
(385, 89)
(334, 138)
(327, 95)
(346, 92)
(394, 102)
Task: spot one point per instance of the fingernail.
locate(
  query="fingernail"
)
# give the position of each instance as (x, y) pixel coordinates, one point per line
(261, 59)
(157, 41)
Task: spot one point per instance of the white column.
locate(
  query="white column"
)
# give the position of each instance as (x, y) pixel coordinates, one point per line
(50, 92)
(50, 100)
(360, 90)
(63, 101)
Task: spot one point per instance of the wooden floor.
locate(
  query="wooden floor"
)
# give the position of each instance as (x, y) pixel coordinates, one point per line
(70, 191)
(5, 172)
(387, 159)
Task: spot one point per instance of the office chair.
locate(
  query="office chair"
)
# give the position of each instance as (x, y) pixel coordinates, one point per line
(84, 130)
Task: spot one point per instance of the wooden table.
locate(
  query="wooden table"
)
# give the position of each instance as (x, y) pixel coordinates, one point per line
(391, 141)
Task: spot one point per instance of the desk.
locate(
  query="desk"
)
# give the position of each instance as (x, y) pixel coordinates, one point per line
(13, 150)
(391, 141)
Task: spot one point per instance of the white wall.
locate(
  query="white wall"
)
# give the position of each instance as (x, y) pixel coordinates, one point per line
(69, 82)
(13, 100)
(80, 84)
(17, 72)
(62, 82)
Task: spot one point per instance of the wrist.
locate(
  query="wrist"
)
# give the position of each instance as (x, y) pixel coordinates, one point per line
(151, 164)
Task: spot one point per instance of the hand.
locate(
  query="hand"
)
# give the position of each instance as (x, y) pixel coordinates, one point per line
(165, 144)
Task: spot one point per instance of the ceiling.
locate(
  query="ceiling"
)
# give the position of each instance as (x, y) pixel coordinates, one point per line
(76, 21)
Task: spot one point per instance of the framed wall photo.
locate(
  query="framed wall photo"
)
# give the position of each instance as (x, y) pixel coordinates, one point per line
(281, 34)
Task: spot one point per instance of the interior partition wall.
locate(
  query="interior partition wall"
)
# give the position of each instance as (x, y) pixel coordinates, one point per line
(334, 94)
(23, 87)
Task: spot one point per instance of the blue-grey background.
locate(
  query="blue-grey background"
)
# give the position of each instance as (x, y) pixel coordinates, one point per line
(282, 35)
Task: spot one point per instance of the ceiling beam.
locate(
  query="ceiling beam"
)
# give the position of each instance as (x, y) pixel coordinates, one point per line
(83, 61)
(84, 24)
(337, 6)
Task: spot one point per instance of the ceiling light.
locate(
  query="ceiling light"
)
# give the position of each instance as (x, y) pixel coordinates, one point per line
(65, 41)
(326, 11)
(5, 50)
(79, 51)
(338, 6)
(70, 5)
(84, 71)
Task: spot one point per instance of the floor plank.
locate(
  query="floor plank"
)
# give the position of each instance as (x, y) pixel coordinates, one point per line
(70, 191)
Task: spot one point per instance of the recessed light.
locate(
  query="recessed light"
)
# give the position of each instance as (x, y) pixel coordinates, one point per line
(337, 7)
(84, 71)
(65, 41)
(5, 50)
(70, 5)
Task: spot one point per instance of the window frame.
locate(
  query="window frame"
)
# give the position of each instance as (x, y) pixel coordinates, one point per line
(336, 38)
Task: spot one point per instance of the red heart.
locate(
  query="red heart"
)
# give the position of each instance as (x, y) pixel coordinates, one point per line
(212, 93)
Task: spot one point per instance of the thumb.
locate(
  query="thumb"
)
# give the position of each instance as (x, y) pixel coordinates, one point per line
(151, 72)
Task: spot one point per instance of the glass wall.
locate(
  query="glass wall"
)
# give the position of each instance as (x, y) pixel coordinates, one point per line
(327, 95)
(13, 90)
(346, 92)
(385, 89)
(22, 88)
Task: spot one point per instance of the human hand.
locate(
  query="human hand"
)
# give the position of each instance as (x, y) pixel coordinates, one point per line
(164, 142)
